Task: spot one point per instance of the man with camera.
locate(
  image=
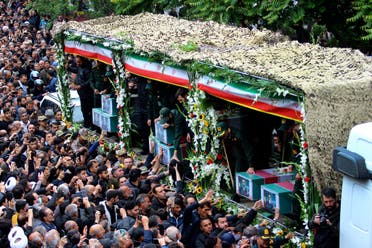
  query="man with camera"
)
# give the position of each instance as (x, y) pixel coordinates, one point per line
(326, 222)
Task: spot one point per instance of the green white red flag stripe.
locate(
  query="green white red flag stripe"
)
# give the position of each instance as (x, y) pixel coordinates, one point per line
(89, 51)
(157, 71)
(280, 107)
(285, 108)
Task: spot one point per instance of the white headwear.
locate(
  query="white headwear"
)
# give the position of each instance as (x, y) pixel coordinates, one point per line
(17, 238)
(10, 183)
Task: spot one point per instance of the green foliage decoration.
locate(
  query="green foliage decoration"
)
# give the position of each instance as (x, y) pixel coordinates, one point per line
(189, 46)
(262, 86)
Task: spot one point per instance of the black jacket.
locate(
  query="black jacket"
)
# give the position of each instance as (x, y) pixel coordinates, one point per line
(327, 236)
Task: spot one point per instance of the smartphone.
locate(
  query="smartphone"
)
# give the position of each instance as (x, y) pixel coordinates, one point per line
(161, 229)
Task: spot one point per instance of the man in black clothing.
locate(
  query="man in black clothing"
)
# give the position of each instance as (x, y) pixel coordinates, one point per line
(206, 228)
(159, 199)
(6, 119)
(326, 223)
(192, 216)
(82, 85)
(111, 209)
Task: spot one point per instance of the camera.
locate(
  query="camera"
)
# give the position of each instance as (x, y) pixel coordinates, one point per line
(139, 217)
(323, 219)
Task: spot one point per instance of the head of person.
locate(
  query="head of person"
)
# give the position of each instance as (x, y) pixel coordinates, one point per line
(35, 239)
(97, 231)
(134, 175)
(165, 115)
(31, 128)
(46, 215)
(189, 199)
(181, 95)
(206, 225)
(177, 206)
(227, 240)
(213, 242)
(21, 206)
(223, 130)
(122, 180)
(83, 136)
(71, 211)
(81, 172)
(52, 238)
(144, 203)
(205, 210)
(329, 198)
(112, 197)
(58, 115)
(7, 114)
(92, 166)
(117, 172)
(128, 162)
(81, 61)
(132, 208)
(102, 173)
(173, 234)
(159, 192)
(220, 221)
(264, 237)
(71, 225)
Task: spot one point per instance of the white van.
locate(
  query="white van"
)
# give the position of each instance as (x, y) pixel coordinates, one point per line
(51, 101)
(355, 163)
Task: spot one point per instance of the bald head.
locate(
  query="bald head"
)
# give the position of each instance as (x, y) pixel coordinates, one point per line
(52, 238)
(125, 191)
(71, 225)
(97, 231)
(173, 233)
(35, 239)
(90, 189)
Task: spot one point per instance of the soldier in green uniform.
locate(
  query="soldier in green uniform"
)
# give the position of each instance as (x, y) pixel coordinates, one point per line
(181, 131)
(153, 103)
(100, 83)
(238, 153)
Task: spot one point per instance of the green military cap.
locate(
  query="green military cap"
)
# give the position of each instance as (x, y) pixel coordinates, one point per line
(164, 115)
(221, 128)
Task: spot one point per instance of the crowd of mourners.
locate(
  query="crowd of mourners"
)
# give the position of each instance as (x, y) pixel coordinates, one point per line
(58, 190)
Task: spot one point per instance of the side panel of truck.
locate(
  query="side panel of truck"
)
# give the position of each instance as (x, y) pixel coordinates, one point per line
(356, 200)
(356, 213)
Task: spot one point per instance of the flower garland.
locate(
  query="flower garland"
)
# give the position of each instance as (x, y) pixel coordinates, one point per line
(205, 163)
(303, 169)
(122, 99)
(63, 88)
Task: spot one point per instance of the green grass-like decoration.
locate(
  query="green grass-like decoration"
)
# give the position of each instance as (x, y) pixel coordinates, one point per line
(189, 46)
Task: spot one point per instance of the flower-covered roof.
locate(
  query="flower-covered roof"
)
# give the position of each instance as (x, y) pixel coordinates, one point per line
(259, 53)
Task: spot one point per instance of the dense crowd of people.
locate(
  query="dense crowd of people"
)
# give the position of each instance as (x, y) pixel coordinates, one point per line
(58, 190)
